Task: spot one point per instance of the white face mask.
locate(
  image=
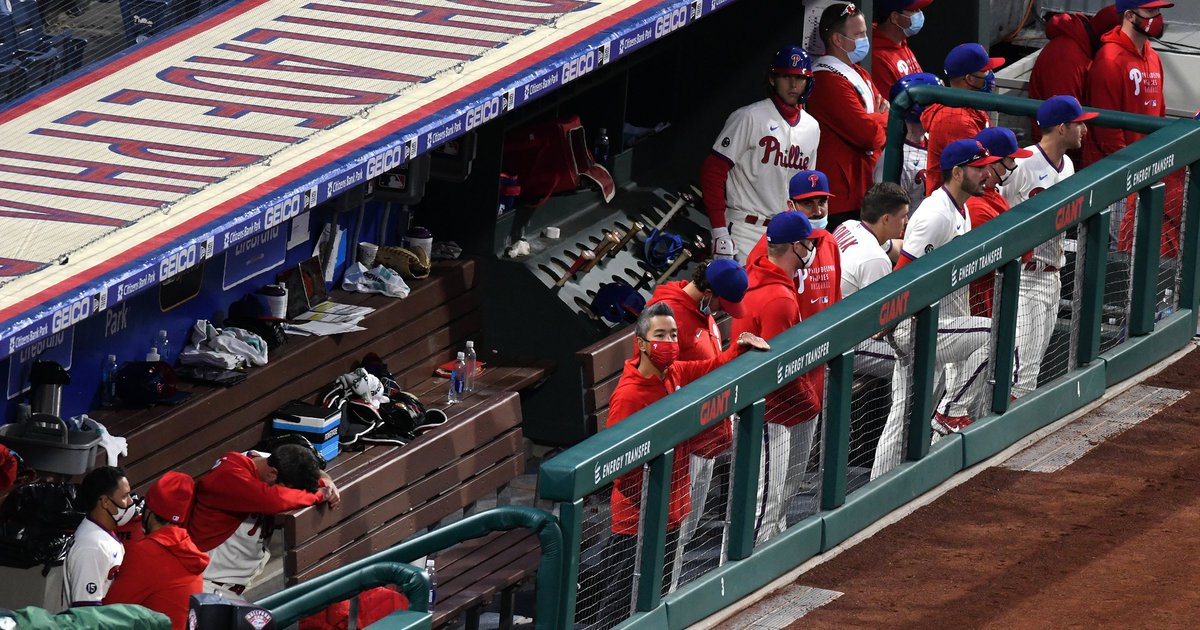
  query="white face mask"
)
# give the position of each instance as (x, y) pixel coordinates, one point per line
(806, 260)
(126, 514)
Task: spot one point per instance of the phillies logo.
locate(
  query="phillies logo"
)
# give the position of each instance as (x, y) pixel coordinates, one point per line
(796, 61)
(1135, 75)
(1035, 192)
(920, 177)
(773, 153)
(814, 180)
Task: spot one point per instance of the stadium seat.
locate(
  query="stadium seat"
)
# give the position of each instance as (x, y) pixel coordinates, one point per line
(145, 18)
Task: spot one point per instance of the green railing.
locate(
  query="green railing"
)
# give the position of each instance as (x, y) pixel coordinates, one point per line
(648, 437)
(389, 566)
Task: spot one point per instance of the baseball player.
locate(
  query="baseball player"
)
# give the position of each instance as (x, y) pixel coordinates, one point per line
(95, 556)
(852, 114)
(1061, 119)
(745, 178)
(864, 260)
(236, 503)
(1127, 76)
(891, 58)
(772, 306)
(962, 340)
(967, 67)
(999, 142)
(916, 142)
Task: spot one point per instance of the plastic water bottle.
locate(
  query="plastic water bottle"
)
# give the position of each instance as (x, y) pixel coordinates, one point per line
(456, 379)
(429, 570)
(162, 345)
(108, 382)
(1164, 309)
(602, 147)
(471, 366)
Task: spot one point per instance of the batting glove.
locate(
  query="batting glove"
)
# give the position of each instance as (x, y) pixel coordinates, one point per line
(723, 245)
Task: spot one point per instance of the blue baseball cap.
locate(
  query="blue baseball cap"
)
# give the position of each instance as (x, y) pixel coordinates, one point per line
(968, 152)
(1002, 142)
(1130, 5)
(807, 184)
(729, 282)
(788, 227)
(1060, 110)
(884, 7)
(970, 58)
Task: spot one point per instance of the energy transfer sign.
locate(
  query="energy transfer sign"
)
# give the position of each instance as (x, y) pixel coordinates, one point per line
(138, 169)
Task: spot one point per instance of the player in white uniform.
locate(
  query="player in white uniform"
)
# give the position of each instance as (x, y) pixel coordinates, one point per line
(912, 176)
(95, 556)
(962, 340)
(745, 178)
(1062, 121)
(865, 259)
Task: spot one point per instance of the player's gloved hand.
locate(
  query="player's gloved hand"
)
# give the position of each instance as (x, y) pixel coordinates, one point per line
(723, 246)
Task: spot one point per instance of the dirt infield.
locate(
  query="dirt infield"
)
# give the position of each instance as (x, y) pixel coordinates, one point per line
(1111, 541)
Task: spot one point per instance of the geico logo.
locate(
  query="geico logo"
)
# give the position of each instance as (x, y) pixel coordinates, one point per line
(177, 262)
(386, 161)
(283, 211)
(578, 67)
(483, 112)
(670, 22)
(70, 315)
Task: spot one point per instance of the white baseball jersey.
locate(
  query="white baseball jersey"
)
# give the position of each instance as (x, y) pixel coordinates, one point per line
(244, 554)
(1033, 175)
(863, 258)
(937, 221)
(912, 176)
(92, 564)
(765, 152)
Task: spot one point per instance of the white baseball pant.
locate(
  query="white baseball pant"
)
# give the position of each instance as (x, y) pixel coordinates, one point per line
(781, 473)
(875, 357)
(701, 471)
(962, 349)
(745, 235)
(1037, 311)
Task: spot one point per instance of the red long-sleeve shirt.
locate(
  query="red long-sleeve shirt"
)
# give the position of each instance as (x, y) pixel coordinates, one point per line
(851, 138)
(890, 60)
(945, 125)
(161, 571)
(983, 209)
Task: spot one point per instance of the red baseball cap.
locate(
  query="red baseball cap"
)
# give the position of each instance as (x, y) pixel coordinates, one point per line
(170, 498)
(8, 468)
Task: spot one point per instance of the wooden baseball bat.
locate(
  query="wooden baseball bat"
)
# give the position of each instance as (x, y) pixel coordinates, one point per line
(584, 256)
(610, 240)
(681, 260)
(638, 226)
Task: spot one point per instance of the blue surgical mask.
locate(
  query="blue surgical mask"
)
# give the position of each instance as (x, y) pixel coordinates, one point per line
(916, 22)
(862, 47)
(820, 224)
(989, 83)
(706, 306)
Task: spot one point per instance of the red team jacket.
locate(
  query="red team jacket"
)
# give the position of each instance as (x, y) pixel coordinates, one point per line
(945, 125)
(851, 139)
(890, 60)
(634, 393)
(983, 209)
(1125, 80)
(161, 571)
(232, 491)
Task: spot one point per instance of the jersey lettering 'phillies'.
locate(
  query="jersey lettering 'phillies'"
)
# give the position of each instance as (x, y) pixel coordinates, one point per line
(764, 151)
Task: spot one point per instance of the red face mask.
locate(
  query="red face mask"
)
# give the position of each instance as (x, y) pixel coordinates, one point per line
(663, 354)
(1151, 27)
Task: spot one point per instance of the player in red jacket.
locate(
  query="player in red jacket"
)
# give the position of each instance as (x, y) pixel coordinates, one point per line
(645, 379)
(1062, 66)
(991, 204)
(236, 503)
(891, 58)
(852, 114)
(163, 570)
(1127, 76)
(968, 67)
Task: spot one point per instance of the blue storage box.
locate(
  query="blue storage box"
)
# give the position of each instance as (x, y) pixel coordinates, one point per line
(318, 424)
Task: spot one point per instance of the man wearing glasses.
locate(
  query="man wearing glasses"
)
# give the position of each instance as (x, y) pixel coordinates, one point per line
(968, 67)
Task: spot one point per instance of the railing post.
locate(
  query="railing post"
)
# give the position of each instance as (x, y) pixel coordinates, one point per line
(924, 363)
(893, 154)
(1189, 289)
(1006, 339)
(837, 431)
(744, 494)
(1091, 279)
(570, 519)
(654, 530)
(1146, 243)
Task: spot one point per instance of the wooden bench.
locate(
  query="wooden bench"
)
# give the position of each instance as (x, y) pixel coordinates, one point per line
(388, 492)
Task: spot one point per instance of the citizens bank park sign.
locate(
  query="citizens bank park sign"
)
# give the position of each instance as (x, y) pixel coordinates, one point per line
(130, 172)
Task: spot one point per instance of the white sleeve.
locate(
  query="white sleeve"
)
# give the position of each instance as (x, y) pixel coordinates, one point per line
(736, 136)
(85, 576)
(873, 270)
(1017, 188)
(926, 232)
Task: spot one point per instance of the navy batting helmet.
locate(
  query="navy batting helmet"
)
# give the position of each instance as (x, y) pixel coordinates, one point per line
(794, 60)
(912, 80)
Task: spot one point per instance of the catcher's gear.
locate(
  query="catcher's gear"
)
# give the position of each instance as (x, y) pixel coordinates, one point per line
(413, 264)
(723, 245)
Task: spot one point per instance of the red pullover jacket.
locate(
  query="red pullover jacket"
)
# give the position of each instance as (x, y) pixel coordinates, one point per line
(890, 60)
(634, 393)
(1125, 80)
(161, 571)
(945, 125)
(230, 493)
(851, 139)
(983, 209)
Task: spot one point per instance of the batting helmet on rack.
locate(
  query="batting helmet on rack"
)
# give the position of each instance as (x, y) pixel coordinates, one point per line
(794, 60)
(913, 80)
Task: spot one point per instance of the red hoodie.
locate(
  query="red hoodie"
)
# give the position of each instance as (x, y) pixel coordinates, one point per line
(890, 60)
(229, 493)
(851, 138)
(945, 125)
(1124, 80)
(634, 393)
(983, 209)
(1062, 67)
(161, 571)
(772, 306)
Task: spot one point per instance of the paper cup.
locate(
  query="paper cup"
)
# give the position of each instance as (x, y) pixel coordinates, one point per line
(366, 254)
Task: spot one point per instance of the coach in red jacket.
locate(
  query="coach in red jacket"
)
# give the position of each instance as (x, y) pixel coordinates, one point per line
(645, 379)
(968, 67)
(1062, 66)
(852, 114)
(163, 570)
(891, 58)
(236, 503)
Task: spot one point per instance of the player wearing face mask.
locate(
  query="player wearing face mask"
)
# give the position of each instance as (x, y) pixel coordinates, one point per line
(1000, 142)
(772, 306)
(891, 58)
(852, 113)
(95, 556)
(968, 67)
(645, 379)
